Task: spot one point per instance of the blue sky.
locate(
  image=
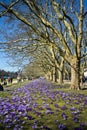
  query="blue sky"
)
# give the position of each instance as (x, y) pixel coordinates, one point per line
(3, 58)
(4, 30)
(4, 65)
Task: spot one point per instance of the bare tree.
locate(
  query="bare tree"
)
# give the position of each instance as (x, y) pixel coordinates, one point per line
(70, 17)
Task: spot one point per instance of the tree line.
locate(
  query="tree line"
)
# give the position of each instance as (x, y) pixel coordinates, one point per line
(6, 74)
(52, 34)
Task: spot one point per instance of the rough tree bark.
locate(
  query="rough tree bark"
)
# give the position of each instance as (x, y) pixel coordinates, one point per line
(75, 75)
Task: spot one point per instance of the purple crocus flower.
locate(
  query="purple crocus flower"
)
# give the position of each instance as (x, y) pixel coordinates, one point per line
(76, 119)
(63, 107)
(30, 117)
(49, 112)
(45, 127)
(34, 126)
(72, 108)
(56, 105)
(82, 124)
(64, 116)
(61, 127)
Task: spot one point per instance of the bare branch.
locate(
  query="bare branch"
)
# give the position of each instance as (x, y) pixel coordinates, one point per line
(84, 55)
(9, 7)
(63, 17)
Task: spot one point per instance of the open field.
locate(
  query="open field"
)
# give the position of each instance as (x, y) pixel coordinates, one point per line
(41, 105)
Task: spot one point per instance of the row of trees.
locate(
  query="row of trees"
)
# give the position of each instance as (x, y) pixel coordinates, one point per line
(5, 74)
(53, 35)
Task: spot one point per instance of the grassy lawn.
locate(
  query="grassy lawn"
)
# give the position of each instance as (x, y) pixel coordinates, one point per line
(41, 106)
(10, 87)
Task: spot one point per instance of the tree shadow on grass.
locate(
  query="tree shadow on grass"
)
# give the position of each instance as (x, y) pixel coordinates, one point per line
(83, 88)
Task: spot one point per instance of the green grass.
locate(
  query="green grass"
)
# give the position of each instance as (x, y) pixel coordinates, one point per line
(10, 87)
(49, 119)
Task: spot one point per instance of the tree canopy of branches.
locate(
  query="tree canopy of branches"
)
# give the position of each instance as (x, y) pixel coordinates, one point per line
(60, 24)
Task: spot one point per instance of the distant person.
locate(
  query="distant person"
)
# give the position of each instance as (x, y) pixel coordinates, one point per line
(11, 79)
(5, 83)
(1, 88)
(2, 79)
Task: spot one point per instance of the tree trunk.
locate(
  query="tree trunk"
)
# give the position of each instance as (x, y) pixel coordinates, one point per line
(75, 75)
(56, 74)
(61, 71)
(60, 77)
(51, 75)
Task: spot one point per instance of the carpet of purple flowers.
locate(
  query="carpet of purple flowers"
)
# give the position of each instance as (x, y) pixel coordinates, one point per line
(36, 106)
